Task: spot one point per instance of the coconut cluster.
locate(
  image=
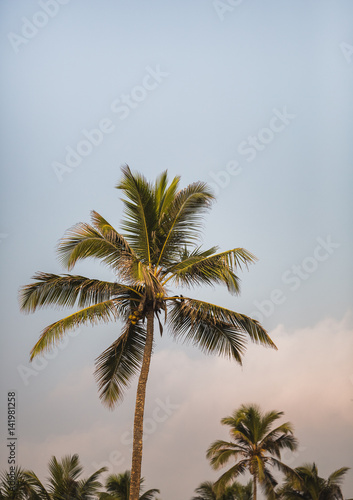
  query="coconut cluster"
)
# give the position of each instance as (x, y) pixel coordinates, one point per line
(135, 316)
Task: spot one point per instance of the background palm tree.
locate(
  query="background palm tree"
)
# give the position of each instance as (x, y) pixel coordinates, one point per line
(64, 482)
(235, 491)
(159, 248)
(15, 486)
(255, 447)
(118, 488)
(307, 485)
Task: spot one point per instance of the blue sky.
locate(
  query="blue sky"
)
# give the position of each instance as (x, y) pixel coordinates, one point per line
(253, 97)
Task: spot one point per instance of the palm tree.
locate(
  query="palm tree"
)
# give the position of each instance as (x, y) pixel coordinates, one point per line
(64, 481)
(307, 485)
(118, 488)
(256, 446)
(235, 491)
(159, 248)
(14, 486)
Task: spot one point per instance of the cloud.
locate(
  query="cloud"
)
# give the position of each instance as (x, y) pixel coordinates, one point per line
(309, 378)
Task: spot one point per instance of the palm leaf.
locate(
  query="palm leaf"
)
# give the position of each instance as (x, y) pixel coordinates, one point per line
(52, 334)
(84, 241)
(119, 363)
(165, 195)
(149, 494)
(209, 268)
(267, 482)
(336, 477)
(213, 328)
(228, 476)
(87, 488)
(67, 290)
(221, 451)
(210, 334)
(140, 212)
(205, 491)
(182, 222)
(36, 485)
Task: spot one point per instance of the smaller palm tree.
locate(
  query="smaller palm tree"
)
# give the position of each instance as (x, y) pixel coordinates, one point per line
(307, 485)
(118, 488)
(14, 486)
(64, 481)
(256, 447)
(235, 491)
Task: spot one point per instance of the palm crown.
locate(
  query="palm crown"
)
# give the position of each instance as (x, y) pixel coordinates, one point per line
(158, 249)
(64, 481)
(118, 487)
(308, 485)
(256, 446)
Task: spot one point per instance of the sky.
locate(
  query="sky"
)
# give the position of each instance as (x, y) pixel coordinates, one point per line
(251, 97)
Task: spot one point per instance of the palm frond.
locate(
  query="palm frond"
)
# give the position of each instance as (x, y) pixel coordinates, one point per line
(84, 241)
(149, 494)
(140, 212)
(267, 419)
(70, 290)
(213, 328)
(267, 483)
(181, 225)
(275, 445)
(165, 195)
(282, 467)
(208, 268)
(116, 366)
(52, 334)
(200, 327)
(36, 485)
(337, 476)
(220, 451)
(109, 233)
(87, 488)
(211, 268)
(228, 476)
(205, 491)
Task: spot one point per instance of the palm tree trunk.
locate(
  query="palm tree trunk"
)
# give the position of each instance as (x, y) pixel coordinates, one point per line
(255, 489)
(139, 412)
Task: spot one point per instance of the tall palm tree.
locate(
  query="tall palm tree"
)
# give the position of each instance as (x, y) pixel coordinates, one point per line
(158, 249)
(64, 481)
(255, 447)
(235, 491)
(307, 485)
(118, 488)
